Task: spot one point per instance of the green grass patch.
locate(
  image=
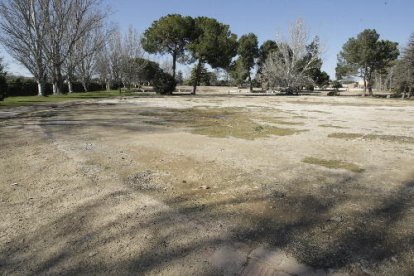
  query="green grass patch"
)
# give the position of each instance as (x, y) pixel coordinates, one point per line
(343, 135)
(333, 164)
(34, 100)
(217, 122)
(331, 126)
(387, 138)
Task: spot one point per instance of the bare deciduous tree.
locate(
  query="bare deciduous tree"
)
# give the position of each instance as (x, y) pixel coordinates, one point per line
(131, 52)
(66, 22)
(23, 32)
(87, 50)
(290, 66)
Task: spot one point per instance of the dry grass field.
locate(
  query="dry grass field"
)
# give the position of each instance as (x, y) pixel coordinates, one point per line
(208, 185)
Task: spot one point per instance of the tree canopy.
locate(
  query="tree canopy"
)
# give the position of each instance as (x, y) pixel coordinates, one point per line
(169, 34)
(365, 55)
(248, 51)
(213, 43)
(405, 68)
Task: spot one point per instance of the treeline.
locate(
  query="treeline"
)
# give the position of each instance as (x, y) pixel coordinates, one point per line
(69, 46)
(293, 63)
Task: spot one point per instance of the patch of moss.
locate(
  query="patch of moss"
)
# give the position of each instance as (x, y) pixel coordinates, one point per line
(217, 122)
(387, 138)
(319, 111)
(331, 126)
(343, 135)
(333, 164)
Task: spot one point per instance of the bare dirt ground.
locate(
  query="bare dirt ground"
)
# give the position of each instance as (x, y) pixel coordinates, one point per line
(208, 185)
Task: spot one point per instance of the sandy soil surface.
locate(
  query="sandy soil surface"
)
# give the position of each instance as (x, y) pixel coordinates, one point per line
(208, 185)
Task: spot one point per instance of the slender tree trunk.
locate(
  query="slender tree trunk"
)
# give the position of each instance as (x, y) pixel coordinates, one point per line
(85, 86)
(251, 83)
(57, 80)
(108, 85)
(197, 77)
(365, 86)
(174, 63)
(380, 82)
(40, 88)
(54, 86)
(70, 88)
(370, 89)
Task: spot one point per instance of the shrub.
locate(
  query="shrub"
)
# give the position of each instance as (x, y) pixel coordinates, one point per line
(3, 87)
(164, 83)
(3, 82)
(336, 85)
(333, 93)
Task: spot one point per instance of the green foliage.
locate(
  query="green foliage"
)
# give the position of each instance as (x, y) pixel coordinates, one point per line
(169, 34)
(365, 55)
(3, 81)
(204, 78)
(164, 83)
(180, 78)
(248, 51)
(269, 46)
(336, 85)
(404, 69)
(148, 69)
(213, 43)
(238, 72)
(320, 78)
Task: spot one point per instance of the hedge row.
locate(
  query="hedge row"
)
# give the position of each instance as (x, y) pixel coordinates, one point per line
(28, 87)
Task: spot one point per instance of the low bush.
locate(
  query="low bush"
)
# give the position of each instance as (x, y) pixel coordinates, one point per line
(164, 83)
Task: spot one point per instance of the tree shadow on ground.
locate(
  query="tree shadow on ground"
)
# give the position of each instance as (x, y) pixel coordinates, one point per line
(155, 236)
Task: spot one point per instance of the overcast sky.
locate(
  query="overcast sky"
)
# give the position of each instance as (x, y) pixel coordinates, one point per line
(334, 21)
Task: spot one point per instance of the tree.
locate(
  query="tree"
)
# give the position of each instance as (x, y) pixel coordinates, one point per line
(265, 49)
(248, 51)
(336, 85)
(169, 34)
(365, 55)
(86, 51)
(201, 76)
(3, 82)
(213, 43)
(131, 50)
(180, 77)
(291, 65)
(22, 33)
(238, 72)
(405, 68)
(66, 22)
(319, 77)
(164, 83)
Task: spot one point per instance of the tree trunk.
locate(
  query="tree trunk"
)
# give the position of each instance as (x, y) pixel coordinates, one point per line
(40, 88)
(70, 88)
(197, 77)
(174, 63)
(251, 83)
(54, 85)
(370, 88)
(365, 86)
(85, 86)
(58, 79)
(108, 85)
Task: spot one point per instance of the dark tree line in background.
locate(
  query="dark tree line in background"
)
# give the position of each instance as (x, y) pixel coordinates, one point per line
(67, 44)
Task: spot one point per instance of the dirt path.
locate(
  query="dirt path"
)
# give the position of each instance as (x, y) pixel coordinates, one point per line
(207, 186)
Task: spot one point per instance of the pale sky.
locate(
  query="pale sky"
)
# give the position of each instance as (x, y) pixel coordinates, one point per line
(334, 21)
